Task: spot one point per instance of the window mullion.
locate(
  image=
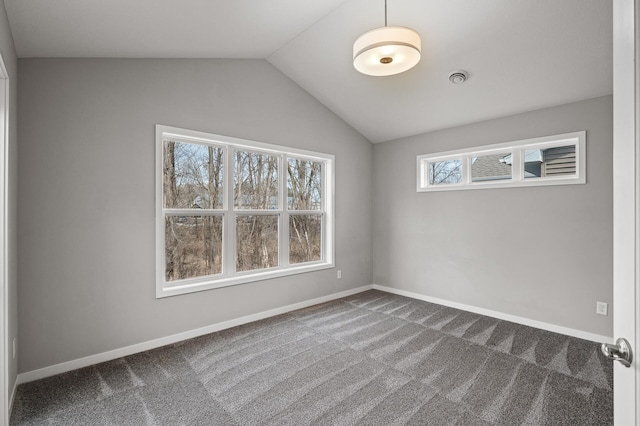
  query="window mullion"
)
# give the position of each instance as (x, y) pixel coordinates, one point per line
(466, 169)
(283, 228)
(517, 164)
(229, 224)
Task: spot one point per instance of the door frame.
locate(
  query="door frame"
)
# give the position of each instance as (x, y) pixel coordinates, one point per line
(4, 150)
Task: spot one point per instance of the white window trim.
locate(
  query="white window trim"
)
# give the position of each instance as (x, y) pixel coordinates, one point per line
(517, 148)
(229, 277)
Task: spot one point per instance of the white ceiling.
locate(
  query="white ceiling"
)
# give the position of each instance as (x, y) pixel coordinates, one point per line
(520, 54)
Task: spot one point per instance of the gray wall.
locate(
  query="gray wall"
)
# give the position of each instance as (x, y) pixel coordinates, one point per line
(86, 205)
(542, 253)
(11, 63)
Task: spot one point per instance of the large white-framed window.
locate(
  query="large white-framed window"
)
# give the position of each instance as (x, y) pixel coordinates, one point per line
(231, 211)
(549, 160)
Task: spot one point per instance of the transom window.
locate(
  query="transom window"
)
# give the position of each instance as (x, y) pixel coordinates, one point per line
(552, 160)
(231, 211)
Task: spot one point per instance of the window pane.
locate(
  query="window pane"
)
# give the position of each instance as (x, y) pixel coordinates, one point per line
(305, 238)
(193, 246)
(304, 184)
(491, 167)
(192, 175)
(445, 172)
(256, 242)
(255, 181)
(557, 161)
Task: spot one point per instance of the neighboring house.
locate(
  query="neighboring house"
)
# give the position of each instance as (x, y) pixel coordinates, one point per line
(490, 167)
(559, 160)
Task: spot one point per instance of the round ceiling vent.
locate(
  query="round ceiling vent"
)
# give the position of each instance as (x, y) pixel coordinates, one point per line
(458, 77)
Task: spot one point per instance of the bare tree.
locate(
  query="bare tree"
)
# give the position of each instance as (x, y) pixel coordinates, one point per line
(256, 188)
(212, 237)
(193, 179)
(305, 194)
(170, 193)
(448, 171)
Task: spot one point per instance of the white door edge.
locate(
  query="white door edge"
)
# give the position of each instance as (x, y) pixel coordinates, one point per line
(626, 200)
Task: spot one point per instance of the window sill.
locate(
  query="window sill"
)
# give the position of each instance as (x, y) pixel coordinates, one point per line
(507, 183)
(194, 285)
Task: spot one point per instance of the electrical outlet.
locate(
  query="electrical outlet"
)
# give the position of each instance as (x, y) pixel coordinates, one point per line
(14, 348)
(601, 308)
(339, 274)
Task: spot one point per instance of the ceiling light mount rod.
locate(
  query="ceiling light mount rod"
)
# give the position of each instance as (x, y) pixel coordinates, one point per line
(387, 50)
(385, 13)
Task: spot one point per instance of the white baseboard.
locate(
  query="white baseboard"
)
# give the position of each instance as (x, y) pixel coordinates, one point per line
(41, 373)
(63, 367)
(500, 315)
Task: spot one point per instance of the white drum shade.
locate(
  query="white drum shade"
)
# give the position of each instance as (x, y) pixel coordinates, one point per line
(387, 51)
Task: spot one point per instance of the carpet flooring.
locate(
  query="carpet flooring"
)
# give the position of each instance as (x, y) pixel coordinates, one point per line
(370, 359)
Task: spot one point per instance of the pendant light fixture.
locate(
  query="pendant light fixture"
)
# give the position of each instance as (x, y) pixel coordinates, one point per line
(387, 50)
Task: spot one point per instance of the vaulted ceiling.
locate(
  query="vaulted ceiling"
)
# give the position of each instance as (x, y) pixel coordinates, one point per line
(521, 55)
